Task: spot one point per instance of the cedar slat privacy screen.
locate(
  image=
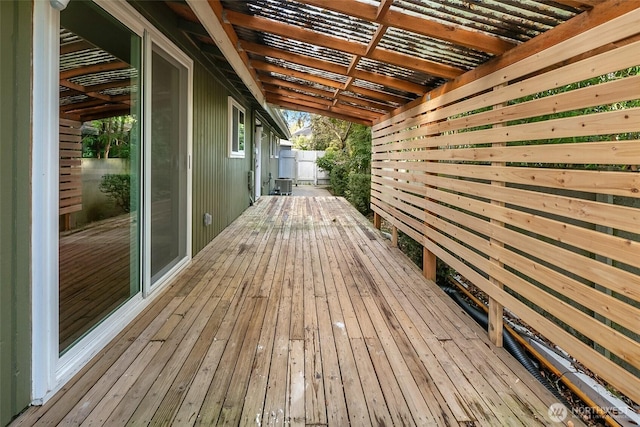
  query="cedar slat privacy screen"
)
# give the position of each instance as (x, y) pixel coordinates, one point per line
(526, 182)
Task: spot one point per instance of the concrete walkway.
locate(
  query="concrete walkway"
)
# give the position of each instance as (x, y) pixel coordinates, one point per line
(310, 191)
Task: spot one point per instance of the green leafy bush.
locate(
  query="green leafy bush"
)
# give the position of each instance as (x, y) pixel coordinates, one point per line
(327, 161)
(359, 192)
(339, 178)
(118, 188)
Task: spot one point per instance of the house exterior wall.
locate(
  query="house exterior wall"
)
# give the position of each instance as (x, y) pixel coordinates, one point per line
(220, 183)
(273, 161)
(264, 161)
(15, 207)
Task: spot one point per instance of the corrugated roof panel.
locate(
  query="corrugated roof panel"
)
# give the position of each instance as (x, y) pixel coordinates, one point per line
(512, 20)
(312, 17)
(368, 108)
(384, 89)
(296, 80)
(306, 49)
(68, 100)
(416, 77)
(308, 70)
(431, 49)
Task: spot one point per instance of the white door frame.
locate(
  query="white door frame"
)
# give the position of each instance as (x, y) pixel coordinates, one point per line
(257, 155)
(49, 370)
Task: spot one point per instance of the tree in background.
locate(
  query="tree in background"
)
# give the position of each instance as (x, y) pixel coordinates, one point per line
(329, 133)
(347, 159)
(111, 138)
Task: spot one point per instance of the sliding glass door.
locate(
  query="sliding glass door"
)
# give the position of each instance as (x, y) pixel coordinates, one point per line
(124, 172)
(99, 182)
(168, 163)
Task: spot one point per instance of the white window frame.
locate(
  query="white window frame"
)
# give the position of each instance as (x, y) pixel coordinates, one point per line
(236, 154)
(50, 371)
(273, 143)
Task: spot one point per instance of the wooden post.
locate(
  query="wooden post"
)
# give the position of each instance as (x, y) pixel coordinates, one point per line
(377, 220)
(67, 222)
(496, 312)
(428, 264)
(394, 236)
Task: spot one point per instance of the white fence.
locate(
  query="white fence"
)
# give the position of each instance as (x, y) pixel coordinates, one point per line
(301, 166)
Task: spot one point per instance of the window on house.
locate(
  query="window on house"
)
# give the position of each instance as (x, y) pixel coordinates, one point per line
(274, 145)
(236, 129)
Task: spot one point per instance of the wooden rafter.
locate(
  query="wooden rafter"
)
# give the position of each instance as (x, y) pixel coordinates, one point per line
(93, 69)
(273, 82)
(459, 36)
(374, 95)
(362, 75)
(580, 4)
(354, 48)
(271, 68)
(331, 67)
(75, 47)
(316, 109)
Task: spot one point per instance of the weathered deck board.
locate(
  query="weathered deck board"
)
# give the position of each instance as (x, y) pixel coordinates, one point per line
(300, 313)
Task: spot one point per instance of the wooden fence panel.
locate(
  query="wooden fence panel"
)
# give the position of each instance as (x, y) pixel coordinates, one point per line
(70, 167)
(526, 182)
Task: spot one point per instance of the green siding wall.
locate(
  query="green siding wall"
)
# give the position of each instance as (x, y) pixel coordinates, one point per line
(220, 183)
(15, 202)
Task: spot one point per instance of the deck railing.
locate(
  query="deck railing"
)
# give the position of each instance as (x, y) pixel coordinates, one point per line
(525, 180)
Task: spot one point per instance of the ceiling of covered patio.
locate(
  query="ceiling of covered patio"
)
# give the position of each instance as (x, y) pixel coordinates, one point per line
(355, 60)
(360, 59)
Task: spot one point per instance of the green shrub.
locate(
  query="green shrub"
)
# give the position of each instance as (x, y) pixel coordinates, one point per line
(118, 188)
(339, 178)
(327, 161)
(359, 192)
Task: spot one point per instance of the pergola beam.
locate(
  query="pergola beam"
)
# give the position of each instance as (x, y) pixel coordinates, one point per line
(459, 36)
(93, 69)
(306, 109)
(331, 67)
(257, 23)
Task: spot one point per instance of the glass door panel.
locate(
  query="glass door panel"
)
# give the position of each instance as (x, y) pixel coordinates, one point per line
(168, 163)
(99, 244)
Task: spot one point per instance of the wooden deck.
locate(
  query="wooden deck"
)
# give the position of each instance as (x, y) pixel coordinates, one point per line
(94, 275)
(300, 313)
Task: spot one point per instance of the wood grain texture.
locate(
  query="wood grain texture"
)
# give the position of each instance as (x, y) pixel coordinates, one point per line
(299, 313)
(541, 195)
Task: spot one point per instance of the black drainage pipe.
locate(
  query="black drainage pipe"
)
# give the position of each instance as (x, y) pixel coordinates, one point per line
(508, 342)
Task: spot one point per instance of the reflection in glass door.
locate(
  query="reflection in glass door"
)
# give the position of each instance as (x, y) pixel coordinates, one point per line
(99, 241)
(168, 163)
